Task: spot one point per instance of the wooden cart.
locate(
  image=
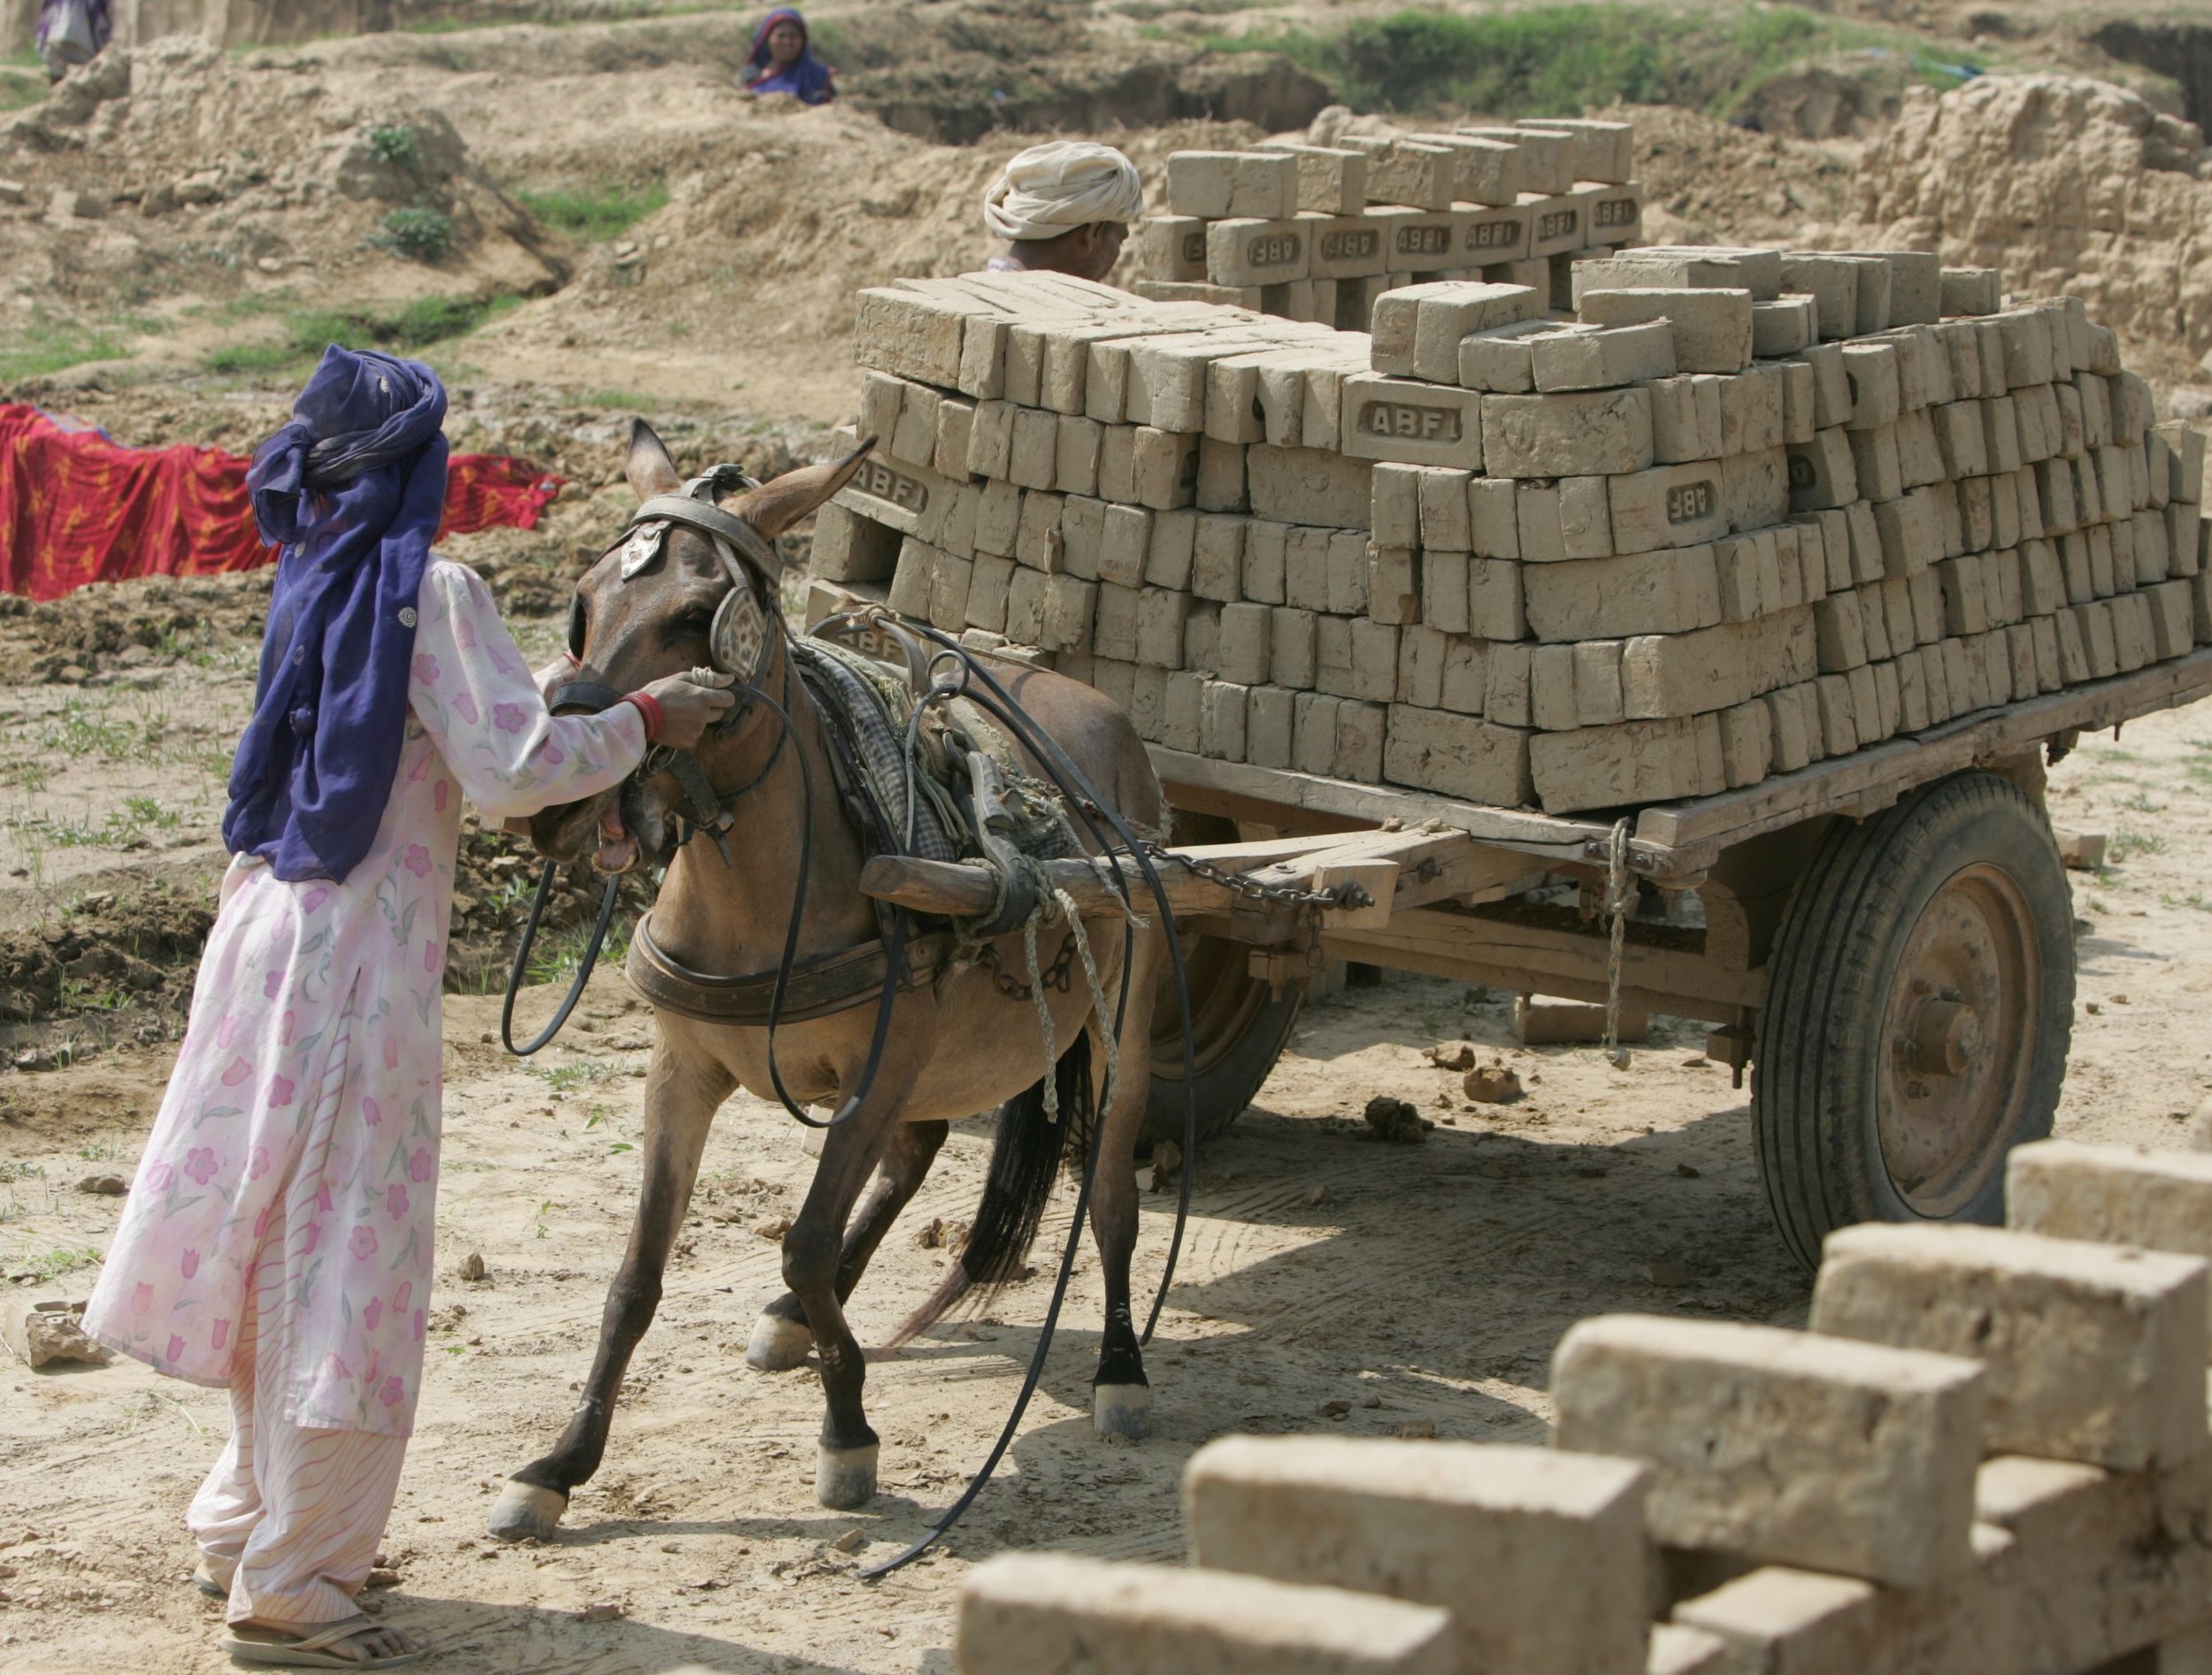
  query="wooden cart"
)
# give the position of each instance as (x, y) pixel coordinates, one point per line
(1885, 939)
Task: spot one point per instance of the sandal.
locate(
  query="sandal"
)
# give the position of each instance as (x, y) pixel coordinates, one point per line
(214, 1582)
(308, 1651)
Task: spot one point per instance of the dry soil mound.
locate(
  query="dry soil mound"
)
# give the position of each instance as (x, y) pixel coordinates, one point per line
(2065, 184)
(173, 166)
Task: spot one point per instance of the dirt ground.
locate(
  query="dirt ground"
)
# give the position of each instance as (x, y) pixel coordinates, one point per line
(1413, 1284)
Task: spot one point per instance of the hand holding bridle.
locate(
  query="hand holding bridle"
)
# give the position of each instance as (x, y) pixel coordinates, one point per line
(690, 704)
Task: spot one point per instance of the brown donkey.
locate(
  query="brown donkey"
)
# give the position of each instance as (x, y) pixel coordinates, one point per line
(954, 1048)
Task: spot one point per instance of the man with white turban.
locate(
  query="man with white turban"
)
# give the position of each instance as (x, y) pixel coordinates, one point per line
(1063, 208)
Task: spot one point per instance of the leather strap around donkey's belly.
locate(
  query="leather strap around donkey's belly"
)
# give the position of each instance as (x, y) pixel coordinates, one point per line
(818, 987)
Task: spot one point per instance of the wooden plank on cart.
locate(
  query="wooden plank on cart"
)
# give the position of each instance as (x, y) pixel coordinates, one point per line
(1697, 831)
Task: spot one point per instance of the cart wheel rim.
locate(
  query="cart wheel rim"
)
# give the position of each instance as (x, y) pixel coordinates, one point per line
(1958, 1041)
(1224, 998)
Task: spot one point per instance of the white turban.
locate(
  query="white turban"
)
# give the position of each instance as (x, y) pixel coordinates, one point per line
(1051, 189)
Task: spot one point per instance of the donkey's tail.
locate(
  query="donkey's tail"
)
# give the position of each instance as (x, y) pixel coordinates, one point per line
(1025, 1158)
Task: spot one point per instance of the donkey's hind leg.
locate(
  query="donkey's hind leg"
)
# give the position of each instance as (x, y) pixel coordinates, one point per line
(1121, 1398)
(680, 1100)
(781, 1338)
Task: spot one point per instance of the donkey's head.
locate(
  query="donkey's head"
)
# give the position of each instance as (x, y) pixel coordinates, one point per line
(641, 614)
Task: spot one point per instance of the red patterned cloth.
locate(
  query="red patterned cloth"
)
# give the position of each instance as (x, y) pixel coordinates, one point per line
(76, 507)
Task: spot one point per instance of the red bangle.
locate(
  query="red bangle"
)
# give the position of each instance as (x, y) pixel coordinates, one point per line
(649, 708)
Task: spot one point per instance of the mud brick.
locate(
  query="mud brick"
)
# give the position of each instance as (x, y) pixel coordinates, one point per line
(914, 433)
(2133, 636)
(2073, 651)
(1147, 701)
(1823, 473)
(1025, 607)
(1163, 469)
(1749, 575)
(1797, 400)
(1597, 683)
(1839, 626)
(1558, 223)
(1182, 698)
(2095, 1356)
(1330, 180)
(1784, 326)
(1114, 623)
(2098, 638)
(1582, 358)
(1360, 729)
(1332, 670)
(2152, 561)
(1075, 456)
(1551, 687)
(1115, 678)
(1445, 315)
(1120, 545)
(1035, 457)
(1037, 541)
(1235, 411)
(1874, 622)
(1305, 486)
(1832, 282)
(1865, 542)
(1221, 721)
(1397, 576)
(1916, 608)
(1493, 516)
(1670, 591)
(1494, 238)
(1911, 535)
(1400, 171)
(1977, 528)
(1542, 537)
(1452, 753)
(988, 578)
(1681, 433)
(2073, 436)
(1962, 354)
(2185, 536)
(1256, 251)
(1755, 489)
(1202, 637)
(1875, 463)
(1912, 692)
(2000, 427)
(1118, 463)
(1484, 172)
(2025, 334)
(1635, 762)
(1082, 525)
(1265, 550)
(1586, 525)
(1442, 499)
(1069, 608)
(1466, 674)
(1919, 459)
(1416, 243)
(1666, 506)
(912, 578)
(1173, 247)
(991, 439)
(1394, 506)
(1420, 666)
(1671, 269)
(1218, 556)
(1711, 328)
(1598, 432)
(1306, 568)
(1313, 732)
(1866, 705)
(1506, 683)
(850, 548)
(1964, 437)
(1970, 290)
(1415, 423)
(1267, 734)
(1495, 605)
(1831, 389)
(1991, 341)
(2055, 493)
(912, 336)
(1839, 718)
(1790, 746)
(998, 510)
(1501, 362)
(1832, 532)
(1348, 572)
(2172, 634)
(2088, 491)
(1374, 653)
(2036, 441)
(1201, 184)
(1161, 618)
(949, 438)
(1319, 408)
(1291, 647)
(2095, 395)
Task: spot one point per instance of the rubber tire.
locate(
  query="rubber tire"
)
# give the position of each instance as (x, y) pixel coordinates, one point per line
(1817, 1071)
(1230, 1071)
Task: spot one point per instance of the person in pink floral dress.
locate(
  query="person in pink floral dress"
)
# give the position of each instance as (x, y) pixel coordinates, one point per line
(278, 1235)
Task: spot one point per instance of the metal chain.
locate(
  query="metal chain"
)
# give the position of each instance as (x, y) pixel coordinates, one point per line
(1620, 890)
(1058, 976)
(1346, 895)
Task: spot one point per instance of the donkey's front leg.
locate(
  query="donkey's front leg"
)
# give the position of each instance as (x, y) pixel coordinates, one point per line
(781, 1338)
(680, 1100)
(845, 1467)
(1121, 1397)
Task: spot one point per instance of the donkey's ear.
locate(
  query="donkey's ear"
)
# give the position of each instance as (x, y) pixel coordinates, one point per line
(649, 468)
(775, 506)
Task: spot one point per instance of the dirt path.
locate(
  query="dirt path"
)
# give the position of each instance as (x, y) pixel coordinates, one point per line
(1431, 1282)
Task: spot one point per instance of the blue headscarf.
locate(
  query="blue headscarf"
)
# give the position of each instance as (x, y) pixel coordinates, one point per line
(351, 491)
(808, 78)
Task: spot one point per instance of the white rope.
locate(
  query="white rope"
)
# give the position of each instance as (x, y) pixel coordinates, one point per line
(1044, 1014)
(1098, 994)
(1619, 892)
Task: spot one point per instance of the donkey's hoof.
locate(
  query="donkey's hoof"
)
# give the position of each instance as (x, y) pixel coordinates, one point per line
(525, 1511)
(845, 1479)
(778, 1345)
(1121, 1410)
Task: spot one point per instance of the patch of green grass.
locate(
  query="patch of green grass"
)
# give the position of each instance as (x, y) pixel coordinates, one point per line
(2127, 841)
(595, 214)
(48, 346)
(1546, 59)
(2139, 802)
(629, 400)
(11, 1173)
(2195, 898)
(564, 1079)
(419, 324)
(51, 1264)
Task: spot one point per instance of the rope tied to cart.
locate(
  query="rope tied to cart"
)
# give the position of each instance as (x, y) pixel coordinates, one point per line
(1620, 894)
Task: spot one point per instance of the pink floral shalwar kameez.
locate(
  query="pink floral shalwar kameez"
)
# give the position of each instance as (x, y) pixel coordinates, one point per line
(298, 1140)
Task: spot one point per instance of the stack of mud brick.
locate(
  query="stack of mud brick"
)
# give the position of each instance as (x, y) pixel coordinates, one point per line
(1317, 232)
(1988, 1453)
(1740, 511)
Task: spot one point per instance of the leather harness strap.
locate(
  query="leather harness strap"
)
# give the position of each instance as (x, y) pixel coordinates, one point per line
(815, 988)
(711, 520)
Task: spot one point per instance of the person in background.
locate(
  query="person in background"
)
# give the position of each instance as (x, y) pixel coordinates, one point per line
(278, 1238)
(782, 62)
(1063, 208)
(71, 32)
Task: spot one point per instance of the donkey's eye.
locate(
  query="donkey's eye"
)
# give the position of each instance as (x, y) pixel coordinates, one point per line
(697, 620)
